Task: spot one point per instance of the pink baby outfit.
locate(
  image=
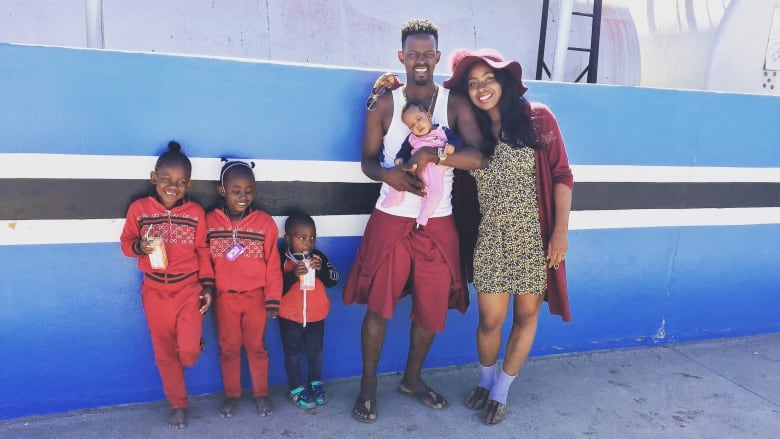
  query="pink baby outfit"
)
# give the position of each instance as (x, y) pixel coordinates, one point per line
(432, 176)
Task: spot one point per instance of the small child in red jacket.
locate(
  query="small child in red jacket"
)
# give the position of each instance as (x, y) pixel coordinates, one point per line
(304, 307)
(245, 253)
(167, 233)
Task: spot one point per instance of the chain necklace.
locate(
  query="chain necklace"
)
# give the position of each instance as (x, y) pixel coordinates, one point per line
(429, 113)
(237, 249)
(235, 226)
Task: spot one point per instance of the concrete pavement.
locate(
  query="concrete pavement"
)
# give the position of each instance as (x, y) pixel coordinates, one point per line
(727, 388)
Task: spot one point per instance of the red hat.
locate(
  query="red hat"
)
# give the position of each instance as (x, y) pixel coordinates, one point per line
(462, 60)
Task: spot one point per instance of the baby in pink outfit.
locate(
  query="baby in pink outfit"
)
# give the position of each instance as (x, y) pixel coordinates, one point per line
(424, 133)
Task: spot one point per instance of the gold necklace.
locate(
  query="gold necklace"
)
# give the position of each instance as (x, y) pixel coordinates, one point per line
(429, 113)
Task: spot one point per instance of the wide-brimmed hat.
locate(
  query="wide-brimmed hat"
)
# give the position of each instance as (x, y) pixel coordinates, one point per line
(462, 60)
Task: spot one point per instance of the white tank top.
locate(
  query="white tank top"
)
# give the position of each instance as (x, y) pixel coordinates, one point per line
(396, 134)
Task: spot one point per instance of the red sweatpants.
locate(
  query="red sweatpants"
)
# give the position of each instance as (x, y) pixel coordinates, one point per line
(175, 324)
(241, 319)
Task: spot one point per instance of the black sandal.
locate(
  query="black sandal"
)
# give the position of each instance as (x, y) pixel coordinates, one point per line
(364, 410)
(427, 397)
(477, 398)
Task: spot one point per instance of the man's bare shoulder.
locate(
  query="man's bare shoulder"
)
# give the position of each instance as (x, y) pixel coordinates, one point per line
(458, 97)
(458, 108)
(382, 112)
(458, 102)
(462, 118)
(385, 103)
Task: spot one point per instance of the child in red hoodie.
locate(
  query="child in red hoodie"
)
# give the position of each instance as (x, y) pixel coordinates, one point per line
(245, 253)
(167, 233)
(305, 304)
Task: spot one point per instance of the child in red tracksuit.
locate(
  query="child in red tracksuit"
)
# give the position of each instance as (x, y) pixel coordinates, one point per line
(304, 307)
(245, 253)
(167, 233)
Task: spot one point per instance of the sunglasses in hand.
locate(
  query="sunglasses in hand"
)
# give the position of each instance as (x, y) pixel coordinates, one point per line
(387, 82)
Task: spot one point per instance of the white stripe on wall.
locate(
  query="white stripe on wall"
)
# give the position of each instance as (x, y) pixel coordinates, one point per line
(117, 167)
(74, 166)
(674, 174)
(643, 218)
(32, 232)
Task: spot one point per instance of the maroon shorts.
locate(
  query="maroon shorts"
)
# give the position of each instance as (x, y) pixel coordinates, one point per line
(395, 255)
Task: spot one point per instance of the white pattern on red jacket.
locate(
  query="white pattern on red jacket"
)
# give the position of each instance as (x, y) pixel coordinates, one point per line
(258, 266)
(182, 230)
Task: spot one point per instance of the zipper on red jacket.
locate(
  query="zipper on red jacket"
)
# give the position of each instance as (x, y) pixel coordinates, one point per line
(168, 235)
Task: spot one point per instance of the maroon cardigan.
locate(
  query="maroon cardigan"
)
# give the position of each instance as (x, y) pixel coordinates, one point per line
(552, 167)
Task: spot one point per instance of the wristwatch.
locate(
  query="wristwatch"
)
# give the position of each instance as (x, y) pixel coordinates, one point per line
(442, 155)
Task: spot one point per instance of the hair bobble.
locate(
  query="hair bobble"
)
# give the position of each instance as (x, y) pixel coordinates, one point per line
(250, 164)
(232, 164)
(173, 157)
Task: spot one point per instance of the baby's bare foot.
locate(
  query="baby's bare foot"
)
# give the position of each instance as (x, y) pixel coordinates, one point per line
(229, 406)
(177, 418)
(264, 406)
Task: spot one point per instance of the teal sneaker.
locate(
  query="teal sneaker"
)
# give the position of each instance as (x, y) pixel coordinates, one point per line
(301, 397)
(318, 392)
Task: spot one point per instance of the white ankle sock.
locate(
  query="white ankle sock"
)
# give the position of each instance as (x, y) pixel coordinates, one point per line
(500, 390)
(487, 376)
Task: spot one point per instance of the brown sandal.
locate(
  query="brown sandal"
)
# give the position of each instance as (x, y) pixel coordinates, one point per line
(494, 412)
(477, 398)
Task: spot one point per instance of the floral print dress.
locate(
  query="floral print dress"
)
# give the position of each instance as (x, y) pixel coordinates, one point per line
(509, 257)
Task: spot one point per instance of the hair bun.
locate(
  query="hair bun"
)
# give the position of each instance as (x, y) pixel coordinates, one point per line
(174, 146)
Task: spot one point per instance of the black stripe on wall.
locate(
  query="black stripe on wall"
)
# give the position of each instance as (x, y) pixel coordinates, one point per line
(25, 199)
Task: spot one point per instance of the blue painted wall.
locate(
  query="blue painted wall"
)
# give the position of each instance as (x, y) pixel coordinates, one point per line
(72, 331)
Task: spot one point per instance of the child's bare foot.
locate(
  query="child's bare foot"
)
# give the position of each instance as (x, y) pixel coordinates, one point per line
(177, 418)
(264, 406)
(229, 406)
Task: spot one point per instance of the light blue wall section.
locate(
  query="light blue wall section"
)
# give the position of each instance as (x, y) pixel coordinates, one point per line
(692, 282)
(72, 328)
(641, 126)
(93, 102)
